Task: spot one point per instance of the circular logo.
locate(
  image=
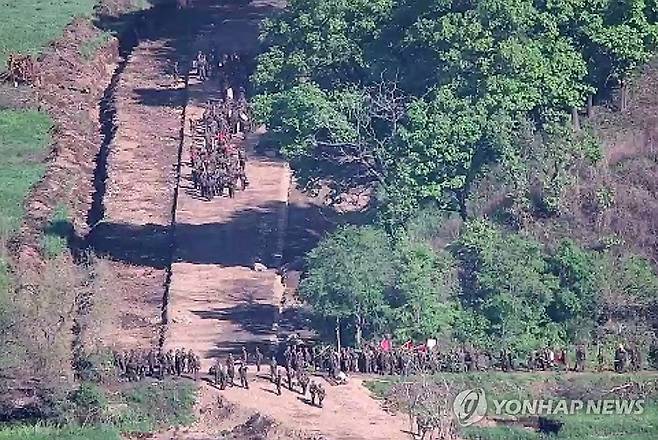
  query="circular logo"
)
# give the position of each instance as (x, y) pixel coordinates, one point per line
(470, 406)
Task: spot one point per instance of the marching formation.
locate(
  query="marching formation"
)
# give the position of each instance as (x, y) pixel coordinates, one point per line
(135, 365)
(373, 359)
(296, 373)
(218, 157)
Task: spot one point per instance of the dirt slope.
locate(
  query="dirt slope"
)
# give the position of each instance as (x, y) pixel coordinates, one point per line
(139, 191)
(217, 303)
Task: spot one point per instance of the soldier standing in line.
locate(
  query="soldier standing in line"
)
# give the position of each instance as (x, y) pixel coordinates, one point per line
(273, 369)
(244, 355)
(321, 394)
(151, 363)
(178, 363)
(313, 389)
(259, 359)
(162, 362)
(189, 361)
(242, 370)
(620, 358)
(230, 369)
(196, 365)
(118, 363)
(169, 361)
(216, 370)
(277, 381)
(600, 360)
(289, 376)
(581, 357)
(638, 358)
(303, 382)
(366, 361)
(634, 357)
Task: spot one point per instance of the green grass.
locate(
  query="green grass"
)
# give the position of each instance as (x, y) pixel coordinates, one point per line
(24, 139)
(29, 25)
(54, 240)
(580, 427)
(53, 433)
(89, 48)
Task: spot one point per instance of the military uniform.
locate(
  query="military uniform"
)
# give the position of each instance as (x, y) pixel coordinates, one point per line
(242, 371)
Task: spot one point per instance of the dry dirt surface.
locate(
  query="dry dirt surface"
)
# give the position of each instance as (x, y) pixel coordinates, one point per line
(70, 90)
(217, 303)
(137, 199)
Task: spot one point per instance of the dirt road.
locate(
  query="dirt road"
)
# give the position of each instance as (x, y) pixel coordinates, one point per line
(138, 194)
(215, 302)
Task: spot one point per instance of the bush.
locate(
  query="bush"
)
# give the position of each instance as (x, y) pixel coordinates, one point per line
(54, 433)
(151, 406)
(90, 404)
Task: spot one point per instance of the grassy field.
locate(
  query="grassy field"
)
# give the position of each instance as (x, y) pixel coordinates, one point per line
(498, 385)
(24, 140)
(29, 25)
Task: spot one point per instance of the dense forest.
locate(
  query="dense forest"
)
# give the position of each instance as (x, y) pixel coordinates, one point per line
(495, 215)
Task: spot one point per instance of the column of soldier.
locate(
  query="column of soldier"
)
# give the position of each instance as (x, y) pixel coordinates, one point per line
(374, 360)
(218, 158)
(135, 365)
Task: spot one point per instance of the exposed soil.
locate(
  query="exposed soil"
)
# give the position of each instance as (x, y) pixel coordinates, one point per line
(218, 303)
(173, 251)
(135, 199)
(70, 90)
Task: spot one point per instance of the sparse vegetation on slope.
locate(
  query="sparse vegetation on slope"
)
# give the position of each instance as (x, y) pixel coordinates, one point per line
(545, 385)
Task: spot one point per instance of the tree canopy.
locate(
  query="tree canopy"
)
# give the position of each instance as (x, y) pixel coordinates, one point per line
(412, 101)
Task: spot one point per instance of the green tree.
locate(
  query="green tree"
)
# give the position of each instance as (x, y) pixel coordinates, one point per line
(505, 280)
(349, 274)
(581, 277)
(424, 301)
(324, 41)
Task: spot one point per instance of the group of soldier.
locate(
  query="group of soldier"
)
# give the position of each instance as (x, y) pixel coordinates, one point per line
(229, 69)
(135, 365)
(218, 156)
(297, 376)
(299, 360)
(372, 359)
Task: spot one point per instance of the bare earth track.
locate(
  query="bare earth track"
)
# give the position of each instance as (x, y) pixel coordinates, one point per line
(139, 189)
(214, 302)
